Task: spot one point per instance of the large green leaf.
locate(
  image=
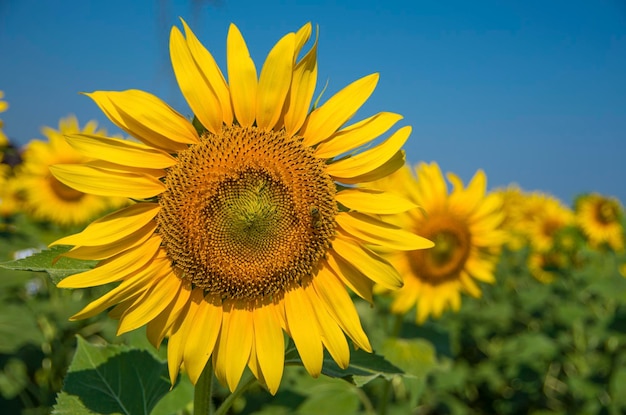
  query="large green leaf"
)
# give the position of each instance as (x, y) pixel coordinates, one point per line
(112, 379)
(44, 261)
(363, 367)
(18, 326)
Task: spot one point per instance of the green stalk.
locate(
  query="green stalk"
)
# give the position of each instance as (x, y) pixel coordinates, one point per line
(203, 392)
(228, 402)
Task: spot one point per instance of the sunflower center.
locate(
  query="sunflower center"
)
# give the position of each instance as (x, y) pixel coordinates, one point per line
(247, 213)
(447, 258)
(63, 191)
(606, 212)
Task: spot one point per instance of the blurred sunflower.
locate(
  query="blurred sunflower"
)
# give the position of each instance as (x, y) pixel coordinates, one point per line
(600, 219)
(3, 107)
(547, 222)
(545, 266)
(464, 225)
(45, 197)
(241, 230)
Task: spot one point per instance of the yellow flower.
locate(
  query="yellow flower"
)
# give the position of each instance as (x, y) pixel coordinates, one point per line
(545, 266)
(241, 230)
(600, 219)
(46, 197)
(10, 193)
(547, 221)
(3, 107)
(464, 227)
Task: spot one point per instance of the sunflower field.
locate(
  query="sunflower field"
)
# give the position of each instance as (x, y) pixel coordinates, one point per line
(270, 255)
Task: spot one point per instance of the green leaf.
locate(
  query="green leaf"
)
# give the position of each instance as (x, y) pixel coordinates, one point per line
(112, 379)
(363, 368)
(331, 397)
(44, 262)
(18, 326)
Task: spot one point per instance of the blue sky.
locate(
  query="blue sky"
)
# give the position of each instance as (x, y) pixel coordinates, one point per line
(533, 92)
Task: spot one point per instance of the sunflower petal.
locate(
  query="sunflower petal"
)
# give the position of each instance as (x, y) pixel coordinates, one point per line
(242, 77)
(114, 226)
(114, 268)
(377, 232)
(201, 340)
(352, 277)
(301, 92)
(147, 118)
(158, 327)
(180, 333)
(375, 267)
(274, 82)
(374, 201)
(357, 134)
(192, 83)
(118, 151)
(332, 337)
(393, 164)
(337, 301)
(157, 298)
(304, 330)
(212, 73)
(369, 160)
(104, 182)
(327, 119)
(269, 345)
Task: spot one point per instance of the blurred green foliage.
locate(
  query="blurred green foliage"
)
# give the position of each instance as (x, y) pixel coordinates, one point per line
(524, 347)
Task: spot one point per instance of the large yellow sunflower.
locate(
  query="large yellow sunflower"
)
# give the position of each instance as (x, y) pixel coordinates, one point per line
(245, 225)
(46, 198)
(3, 107)
(600, 219)
(464, 225)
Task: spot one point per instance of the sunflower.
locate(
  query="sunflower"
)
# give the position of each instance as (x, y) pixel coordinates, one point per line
(464, 227)
(550, 218)
(3, 107)
(248, 223)
(546, 266)
(600, 219)
(46, 197)
(10, 194)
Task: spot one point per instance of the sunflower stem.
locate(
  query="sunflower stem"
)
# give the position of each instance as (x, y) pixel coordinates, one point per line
(228, 402)
(203, 392)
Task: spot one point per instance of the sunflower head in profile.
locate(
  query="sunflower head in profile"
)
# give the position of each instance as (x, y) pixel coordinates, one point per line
(46, 197)
(464, 226)
(546, 266)
(600, 219)
(248, 222)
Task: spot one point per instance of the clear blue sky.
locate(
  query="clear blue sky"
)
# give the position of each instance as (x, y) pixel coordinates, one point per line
(531, 91)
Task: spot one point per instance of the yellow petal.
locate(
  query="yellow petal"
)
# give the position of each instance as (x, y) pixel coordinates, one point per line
(394, 163)
(242, 77)
(235, 344)
(135, 284)
(114, 226)
(352, 277)
(369, 160)
(375, 267)
(269, 345)
(304, 329)
(157, 298)
(202, 337)
(158, 327)
(377, 232)
(114, 268)
(339, 304)
(180, 331)
(114, 248)
(374, 201)
(147, 118)
(192, 83)
(357, 134)
(332, 336)
(274, 82)
(328, 118)
(301, 92)
(104, 182)
(118, 151)
(212, 73)
(302, 36)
